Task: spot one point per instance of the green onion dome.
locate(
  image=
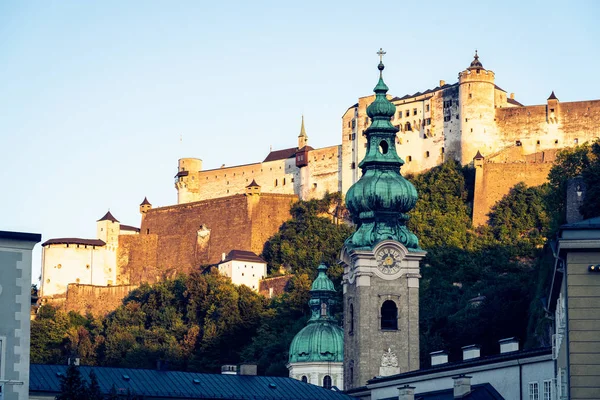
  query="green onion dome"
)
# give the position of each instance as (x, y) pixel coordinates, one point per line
(322, 339)
(380, 200)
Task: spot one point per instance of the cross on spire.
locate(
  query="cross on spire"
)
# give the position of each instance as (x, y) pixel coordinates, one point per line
(381, 53)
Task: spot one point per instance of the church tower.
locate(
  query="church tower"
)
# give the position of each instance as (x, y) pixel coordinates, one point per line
(381, 259)
(302, 137)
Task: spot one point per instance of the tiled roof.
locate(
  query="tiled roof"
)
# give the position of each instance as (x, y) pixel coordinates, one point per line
(482, 391)
(177, 385)
(87, 242)
(243, 255)
(108, 217)
(277, 283)
(129, 228)
(281, 154)
(513, 101)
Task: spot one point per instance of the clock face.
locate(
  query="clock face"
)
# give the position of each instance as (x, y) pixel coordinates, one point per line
(388, 260)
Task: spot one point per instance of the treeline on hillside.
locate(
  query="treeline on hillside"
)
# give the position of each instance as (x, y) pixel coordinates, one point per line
(479, 284)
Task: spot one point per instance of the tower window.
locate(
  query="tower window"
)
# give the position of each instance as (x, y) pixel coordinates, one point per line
(304, 379)
(414, 111)
(389, 315)
(323, 309)
(275, 182)
(409, 158)
(351, 317)
(576, 141)
(327, 382)
(383, 147)
(426, 154)
(470, 95)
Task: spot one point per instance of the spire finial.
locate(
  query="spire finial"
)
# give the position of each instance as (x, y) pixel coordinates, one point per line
(302, 130)
(381, 53)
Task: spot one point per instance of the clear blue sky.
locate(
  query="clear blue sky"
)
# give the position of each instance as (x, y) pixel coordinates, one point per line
(94, 96)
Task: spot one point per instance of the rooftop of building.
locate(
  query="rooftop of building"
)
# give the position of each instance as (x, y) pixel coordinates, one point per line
(159, 384)
(108, 217)
(85, 242)
(243, 255)
(129, 228)
(22, 236)
(482, 391)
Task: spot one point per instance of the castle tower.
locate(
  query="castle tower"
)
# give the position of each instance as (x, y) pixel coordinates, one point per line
(107, 230)
(476, 102)
(381, 259)
(186, 180)
(302, 137)
(144, 207)
(317, 352)
(552, 108)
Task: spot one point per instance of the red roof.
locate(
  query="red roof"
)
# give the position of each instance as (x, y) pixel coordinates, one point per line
(281, 154)
(87, 242)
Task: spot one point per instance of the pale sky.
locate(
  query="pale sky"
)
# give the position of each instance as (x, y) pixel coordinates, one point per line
(96, 96)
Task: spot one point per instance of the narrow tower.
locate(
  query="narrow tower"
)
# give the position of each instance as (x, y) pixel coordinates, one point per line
(317, 351)
(145, 206)
(476, 93)
(302, 137)
(380, 259)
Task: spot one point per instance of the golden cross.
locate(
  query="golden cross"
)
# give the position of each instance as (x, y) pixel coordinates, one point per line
(381, 53)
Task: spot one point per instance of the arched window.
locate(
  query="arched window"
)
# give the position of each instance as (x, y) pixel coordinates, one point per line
(304, 379)
(389, 315)
(323, 309)
(351, 330)
(327, 382)
(407, 127)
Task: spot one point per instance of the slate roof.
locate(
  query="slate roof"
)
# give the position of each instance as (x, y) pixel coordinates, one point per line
(145, 202)
(183, 385)
(483, 391)
(87, 242)
(108, 217)
(25, 236)
(253, 184)
(129, 228)
(552, 96)
(243, 255)
(281, 154)
(513, 101)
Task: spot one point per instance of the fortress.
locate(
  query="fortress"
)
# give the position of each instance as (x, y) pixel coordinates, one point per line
(466, 120)
(472, 121)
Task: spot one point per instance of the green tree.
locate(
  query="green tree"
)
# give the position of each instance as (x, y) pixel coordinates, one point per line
(72, 387)
(93, 390)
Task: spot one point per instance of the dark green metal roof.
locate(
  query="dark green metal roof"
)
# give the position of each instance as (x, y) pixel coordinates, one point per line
(322, 340)
(155, 384)
(482, 391)
(380, 200)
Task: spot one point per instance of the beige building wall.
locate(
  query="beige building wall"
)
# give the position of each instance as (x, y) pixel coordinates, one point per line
(244, 272)
(63, 264)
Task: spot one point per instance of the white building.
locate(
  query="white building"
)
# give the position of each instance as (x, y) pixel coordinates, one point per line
(512, 374)
(243, 268)
(85, 261)
(15, 303)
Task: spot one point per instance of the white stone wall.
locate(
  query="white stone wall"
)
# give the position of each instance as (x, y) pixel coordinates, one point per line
(316, 371)
(63, 264)
(244, 272)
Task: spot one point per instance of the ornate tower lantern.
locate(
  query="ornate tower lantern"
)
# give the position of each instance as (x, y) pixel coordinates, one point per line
(381, 258)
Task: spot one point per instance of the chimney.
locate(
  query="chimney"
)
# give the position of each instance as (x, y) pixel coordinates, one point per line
(229, 370)
(509, 344)
(462, 386)
(406, 392)
(470, 352)
(74, 361)
(439, 357)
(248, 369)
(512, 96)
(223, 256)
(442, 83)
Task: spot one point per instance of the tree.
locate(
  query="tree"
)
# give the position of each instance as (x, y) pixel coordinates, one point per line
(93, 391)
(72, 387)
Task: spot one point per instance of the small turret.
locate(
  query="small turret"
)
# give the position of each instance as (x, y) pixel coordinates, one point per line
(552, 108)
(144, 207)
(107, 230)
(253, 189)
(302, 137)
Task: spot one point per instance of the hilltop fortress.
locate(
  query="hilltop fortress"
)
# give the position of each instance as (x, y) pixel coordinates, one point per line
(238, 208)
(472, 121)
